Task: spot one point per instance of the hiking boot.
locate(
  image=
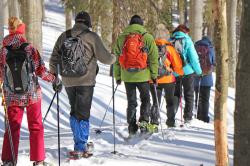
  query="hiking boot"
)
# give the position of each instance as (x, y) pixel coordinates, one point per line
(143, 127)
(7, 163)
(170, 124)
(152, 128)
(41, 163)
(132, 129)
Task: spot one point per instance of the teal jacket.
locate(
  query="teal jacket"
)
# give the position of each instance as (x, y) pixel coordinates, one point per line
(189, 53)
(141, 76)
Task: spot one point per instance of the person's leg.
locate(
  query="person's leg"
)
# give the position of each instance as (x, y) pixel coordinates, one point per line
(145, 101)
(188, 86)
(154, 111)
(79, 120)
(203, 108)
(131, 109)
(178, 90)
(15, 116)
(172, 103)
(36, 129)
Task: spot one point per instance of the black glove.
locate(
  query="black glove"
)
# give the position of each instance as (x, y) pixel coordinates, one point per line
(154, 81)
(118, 82)
(57, 85)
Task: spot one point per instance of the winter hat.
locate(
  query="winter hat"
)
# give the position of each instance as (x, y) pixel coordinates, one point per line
(84, 18)
(16, 25)
(136, 20)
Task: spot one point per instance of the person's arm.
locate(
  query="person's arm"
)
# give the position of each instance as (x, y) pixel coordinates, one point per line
(55, 56)
(39, 66)
(193, 58)
(3, 53)
(212, 55)
(116, 49)
(101, 53)
(152, 55)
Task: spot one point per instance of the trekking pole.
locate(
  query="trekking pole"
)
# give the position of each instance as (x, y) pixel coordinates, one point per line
(7, 127)
(49, 107)
(181, 102)
(158, 108)
(58, 119)
(113, 91)
(98, 131)
(198, 96)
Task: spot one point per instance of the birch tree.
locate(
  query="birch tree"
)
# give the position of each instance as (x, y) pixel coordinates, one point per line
(242, 114)
(221, 85)
(197, 20)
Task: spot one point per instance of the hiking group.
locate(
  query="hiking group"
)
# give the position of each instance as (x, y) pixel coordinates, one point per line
(157, 66)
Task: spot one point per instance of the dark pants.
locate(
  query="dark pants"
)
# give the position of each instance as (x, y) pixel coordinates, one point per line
(143, 88)
(80, 99)
(171, 103)
(202, 96)
(188, 88)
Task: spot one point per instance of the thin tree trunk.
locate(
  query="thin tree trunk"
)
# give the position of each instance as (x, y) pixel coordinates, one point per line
(68, 18)
(191, 16)
(5, 11)
(1, 22)
(242, 114)
(32, 17)
(232, 11)
(14, 8)
(181, 9)
(197, 19)
(221, 85)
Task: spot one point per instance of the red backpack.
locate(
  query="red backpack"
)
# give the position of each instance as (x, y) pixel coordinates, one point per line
(134, 54)
(203, 53)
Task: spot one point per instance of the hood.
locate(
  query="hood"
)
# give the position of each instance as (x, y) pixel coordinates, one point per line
(79, 28)
(204, 41)
(134, 28)
(179, 35)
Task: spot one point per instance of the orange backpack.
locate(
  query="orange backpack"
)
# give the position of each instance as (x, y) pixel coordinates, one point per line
(134, 53)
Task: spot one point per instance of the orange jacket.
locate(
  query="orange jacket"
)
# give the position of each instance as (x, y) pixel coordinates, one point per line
(173, 59)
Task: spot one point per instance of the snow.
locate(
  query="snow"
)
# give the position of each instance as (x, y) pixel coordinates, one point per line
(182, 146)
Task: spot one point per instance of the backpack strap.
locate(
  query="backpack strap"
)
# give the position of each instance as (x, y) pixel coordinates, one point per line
(68, 33)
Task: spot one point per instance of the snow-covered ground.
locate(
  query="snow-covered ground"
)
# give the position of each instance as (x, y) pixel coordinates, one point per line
(186, 146)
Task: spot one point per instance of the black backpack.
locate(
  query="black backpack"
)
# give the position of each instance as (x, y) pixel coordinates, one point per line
(18, 70)
(73, 56)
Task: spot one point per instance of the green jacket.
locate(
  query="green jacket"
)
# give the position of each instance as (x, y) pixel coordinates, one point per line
(141, 76)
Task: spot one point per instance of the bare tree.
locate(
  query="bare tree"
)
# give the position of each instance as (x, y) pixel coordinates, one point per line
(68, 17)
(242, 105)
(221, 85)
(181, 10)
(14, 8)
(197, 19)
(231, 17)
(32, 17)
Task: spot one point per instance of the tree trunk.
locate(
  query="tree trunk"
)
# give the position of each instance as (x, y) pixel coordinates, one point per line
(14, 8)
(181, 9)
(242, 114)
(221, 85)
(1, 22)
(191, 17)
(231, 17)
(197, 20)
(32, 17)
(68, 18)
(5, 11)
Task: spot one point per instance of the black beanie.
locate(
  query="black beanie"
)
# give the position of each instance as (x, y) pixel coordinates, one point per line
(136, 20)
(84, 18)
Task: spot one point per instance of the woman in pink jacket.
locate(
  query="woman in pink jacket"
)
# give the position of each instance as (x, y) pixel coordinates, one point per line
(16, 98)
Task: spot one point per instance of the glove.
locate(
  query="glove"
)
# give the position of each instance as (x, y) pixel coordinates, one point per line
(154, 81)
(57, 85)
(118, 82)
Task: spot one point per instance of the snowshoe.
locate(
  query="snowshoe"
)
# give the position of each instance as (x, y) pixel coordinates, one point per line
(152, 128)
(41, 163)
(143, 127)
(90, 147)
(76, 155)
(7, 163)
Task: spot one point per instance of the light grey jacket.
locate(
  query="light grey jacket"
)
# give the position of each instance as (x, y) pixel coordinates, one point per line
(94, 48)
